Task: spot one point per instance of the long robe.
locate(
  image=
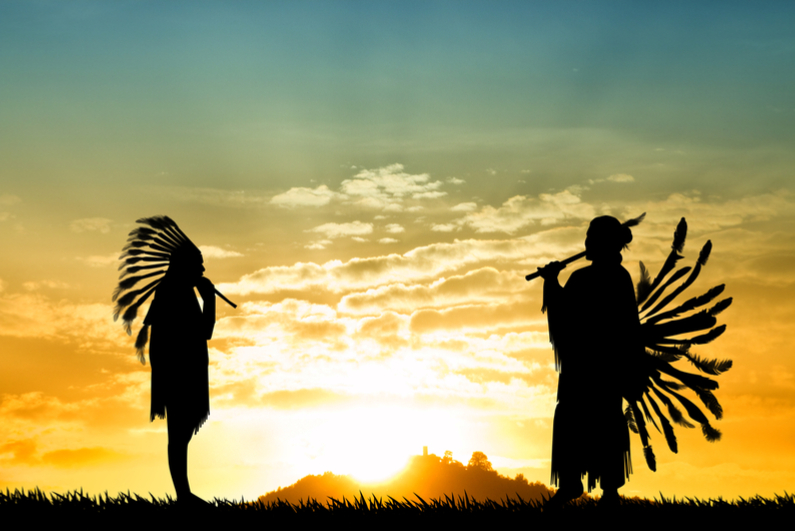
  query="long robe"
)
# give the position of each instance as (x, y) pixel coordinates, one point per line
(178, 354)
(595, 332)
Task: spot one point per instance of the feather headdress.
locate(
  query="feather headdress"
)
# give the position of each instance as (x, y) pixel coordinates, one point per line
(662, 333)
(145, 260)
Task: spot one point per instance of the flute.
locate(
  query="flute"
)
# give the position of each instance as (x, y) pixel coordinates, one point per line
(230, 303)
(565, 262)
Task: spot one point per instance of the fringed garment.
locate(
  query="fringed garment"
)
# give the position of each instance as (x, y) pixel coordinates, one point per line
(595, 332)
(178, 354)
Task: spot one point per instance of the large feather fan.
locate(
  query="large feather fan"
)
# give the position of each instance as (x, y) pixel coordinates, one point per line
(668, 335)
(146, 256)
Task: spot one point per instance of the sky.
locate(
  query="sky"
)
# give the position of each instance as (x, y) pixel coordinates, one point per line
(370, 182)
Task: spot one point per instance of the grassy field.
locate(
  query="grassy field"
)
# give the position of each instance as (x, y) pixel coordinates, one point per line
(38, 507)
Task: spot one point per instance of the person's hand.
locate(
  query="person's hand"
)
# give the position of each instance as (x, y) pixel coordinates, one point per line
(206, 288)
(551, 270)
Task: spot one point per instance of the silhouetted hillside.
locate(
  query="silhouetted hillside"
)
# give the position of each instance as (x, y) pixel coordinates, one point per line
(428, 476)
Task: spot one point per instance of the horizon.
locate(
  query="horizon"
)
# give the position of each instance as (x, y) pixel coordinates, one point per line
(370, 183)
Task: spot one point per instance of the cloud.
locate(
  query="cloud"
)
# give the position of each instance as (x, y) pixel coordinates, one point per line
(52, 284)
(5, 216)
(421, 263)
(318, 244)
(80, 457)
(621, 178)
(100, 261)
(304, 197)
(445, 227)
(480, 285)
(465, 207)
(8, 199)
(211, 196)
(394, 228)
(520, 211)
(455, 180)
(91, 224)
(386, 187)
(24, 452)
(34, 315)
(615, 178)
(338, 230)
(209, 251)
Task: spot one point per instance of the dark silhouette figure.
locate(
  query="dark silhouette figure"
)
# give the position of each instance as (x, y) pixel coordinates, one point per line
(173, 266)
(595, 332)
(178, 354)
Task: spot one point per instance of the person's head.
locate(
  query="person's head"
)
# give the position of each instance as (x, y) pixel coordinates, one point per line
(186, 265)
(606, 238)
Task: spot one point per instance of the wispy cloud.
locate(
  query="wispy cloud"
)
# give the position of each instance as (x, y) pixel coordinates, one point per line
(9, 199)
(521, 211)
(209, 251)
(91, 225)
(337, 230)
(295, 197)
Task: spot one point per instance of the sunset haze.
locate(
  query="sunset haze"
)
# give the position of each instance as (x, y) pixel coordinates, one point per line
(370, 182)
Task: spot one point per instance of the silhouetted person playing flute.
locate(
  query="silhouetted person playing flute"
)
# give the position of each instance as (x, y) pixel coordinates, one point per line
(180, 331)
(179, 358)
(595, 333)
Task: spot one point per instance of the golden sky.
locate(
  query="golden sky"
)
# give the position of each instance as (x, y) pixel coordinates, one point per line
(371, 183)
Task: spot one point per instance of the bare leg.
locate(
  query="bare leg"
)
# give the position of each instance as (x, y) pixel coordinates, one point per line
(179, 435)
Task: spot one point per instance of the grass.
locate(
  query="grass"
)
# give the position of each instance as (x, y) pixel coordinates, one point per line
(36, 506)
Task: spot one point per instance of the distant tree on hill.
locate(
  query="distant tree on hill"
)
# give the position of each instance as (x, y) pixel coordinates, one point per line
(481, 461)
(429, 476)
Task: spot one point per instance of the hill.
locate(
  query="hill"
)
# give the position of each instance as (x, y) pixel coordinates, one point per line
(429, 476)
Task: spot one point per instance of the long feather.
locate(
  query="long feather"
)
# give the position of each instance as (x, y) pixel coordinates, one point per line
(710, 433)
(690, 304)
(135, 269)
(668, 357)
(668, 430)
(129, 282)
(676, 415)
(646, 412)
(144, 252)
(128, 298)
(131, 261)
(132, 312)
(720, 306)
(693, 323)
(703, 256)
(630, 419)
(651, 460)
(644, 284)
(657, 293)
(692, 410)
(702, 260)
(680, 234)
(690, 380)
(711, 402)
(709, 366)
(669, 384)
(641, 424)
(708, 337)
(666, 352)
(634, 222)
(140, 343)
(648, 453)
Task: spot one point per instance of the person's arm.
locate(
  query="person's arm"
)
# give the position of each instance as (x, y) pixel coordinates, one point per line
(207, 292)
(552, 287)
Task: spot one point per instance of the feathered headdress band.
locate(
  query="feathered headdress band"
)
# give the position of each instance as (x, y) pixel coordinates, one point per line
(146, 256)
